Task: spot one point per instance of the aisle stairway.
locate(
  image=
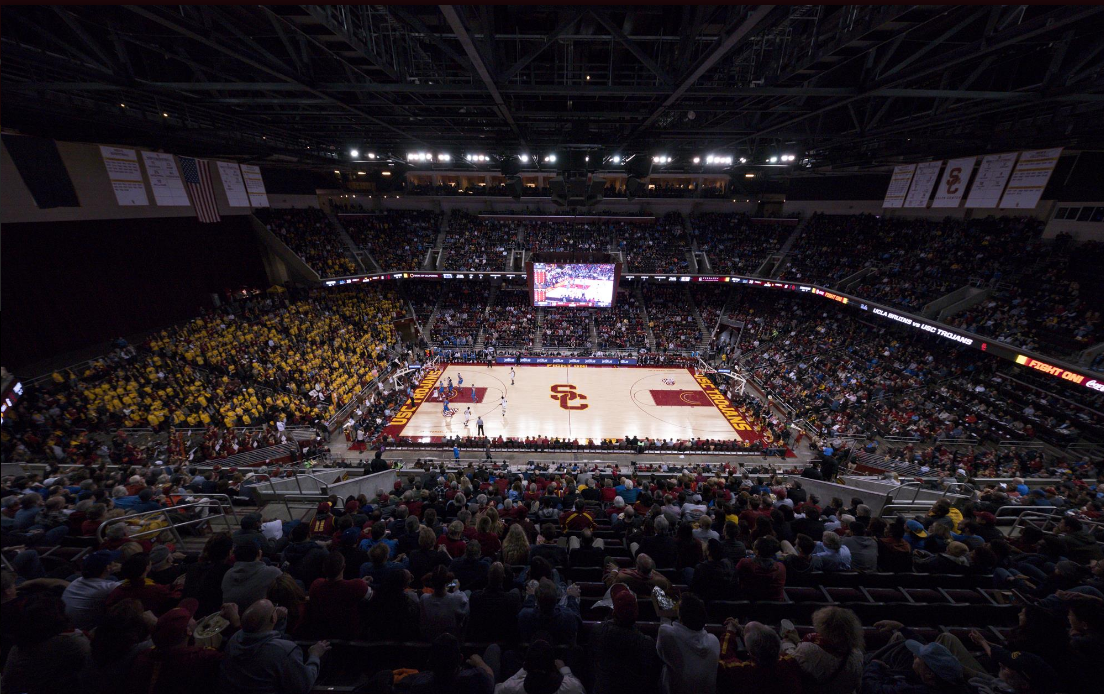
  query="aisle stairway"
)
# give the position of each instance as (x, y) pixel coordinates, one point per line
(363, 259)
(649, 339)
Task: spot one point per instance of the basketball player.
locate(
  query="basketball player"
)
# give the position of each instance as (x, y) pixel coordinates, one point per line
(503, 402)
(447, 412)
(473, 392)
(467, 416)
(459, 380)
(511, 375)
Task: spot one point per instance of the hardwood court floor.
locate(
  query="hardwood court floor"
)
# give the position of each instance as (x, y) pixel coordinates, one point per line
(578, 403)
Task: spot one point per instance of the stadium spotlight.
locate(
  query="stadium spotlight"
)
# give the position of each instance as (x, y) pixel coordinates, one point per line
(122, 105)
(524, 158)
(743, 160)
(444, 157)
(354, 153)
(773, 160)
(616, 159)
(371, 155)
(697, 160)
(385, 173)
(337, 172)
(410, 156)
(749, 175)
(551, 158)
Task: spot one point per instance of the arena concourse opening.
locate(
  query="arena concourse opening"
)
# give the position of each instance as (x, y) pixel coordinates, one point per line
(673, 349)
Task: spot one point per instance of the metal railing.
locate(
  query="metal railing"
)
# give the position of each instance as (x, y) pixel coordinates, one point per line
(172, 515)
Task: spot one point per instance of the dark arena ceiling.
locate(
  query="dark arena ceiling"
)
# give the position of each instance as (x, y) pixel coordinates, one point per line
(848, 87)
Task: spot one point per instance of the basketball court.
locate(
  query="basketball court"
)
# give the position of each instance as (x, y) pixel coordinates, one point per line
(571, 402)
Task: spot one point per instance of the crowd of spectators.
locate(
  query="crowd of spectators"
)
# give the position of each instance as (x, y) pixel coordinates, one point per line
(581, 579)
(310, 235)
(566, 328)
(915, 261)
(621, 326)
(1054, 307)
(655, 248)
(591, 237)
(511, 320)
(396, 239)
(271, 361)
(459, 316)
(671, 317)
(734, 243)
(711, 300)
(472, 243)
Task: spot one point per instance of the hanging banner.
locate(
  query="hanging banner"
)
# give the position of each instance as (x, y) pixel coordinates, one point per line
(923, 183)
(1033, 170)
(164, 178)
(254, 185)
(232, 183)
(953, 184)
(899, 185)
(126, 176)
(991, 178)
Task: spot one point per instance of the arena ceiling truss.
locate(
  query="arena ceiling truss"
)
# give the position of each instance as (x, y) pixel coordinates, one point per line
(850, 87)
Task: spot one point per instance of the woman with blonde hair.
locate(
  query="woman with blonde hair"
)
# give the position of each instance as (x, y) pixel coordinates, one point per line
(497, 526)
(832, 661)
(515, 548)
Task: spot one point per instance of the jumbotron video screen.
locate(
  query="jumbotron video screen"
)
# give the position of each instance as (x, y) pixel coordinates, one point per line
(586, 285)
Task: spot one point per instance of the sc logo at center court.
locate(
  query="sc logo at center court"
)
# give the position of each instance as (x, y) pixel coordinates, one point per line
(566, 394)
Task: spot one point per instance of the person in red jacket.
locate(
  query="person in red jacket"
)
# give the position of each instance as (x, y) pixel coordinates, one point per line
(578, 518)
(156, 598)
(173, 666)
(333, 610)
(762, 577)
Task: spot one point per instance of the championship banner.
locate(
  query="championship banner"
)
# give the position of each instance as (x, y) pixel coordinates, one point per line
(991, 178)
(1030, 177)
(923, 183)
(126, 176)
(899, 185)
(254, 185)
(953, 184)
(232, 183)
(168, 186)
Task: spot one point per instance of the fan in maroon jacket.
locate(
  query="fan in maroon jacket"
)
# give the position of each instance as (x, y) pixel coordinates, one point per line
(761, 577)
(577, 519)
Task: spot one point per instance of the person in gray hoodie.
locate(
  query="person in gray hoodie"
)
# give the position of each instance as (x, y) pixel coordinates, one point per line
(258, 660)
(864, 549)
(249, 579)
(689, 652)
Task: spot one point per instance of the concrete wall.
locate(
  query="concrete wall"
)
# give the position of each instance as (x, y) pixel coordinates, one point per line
(89, 175)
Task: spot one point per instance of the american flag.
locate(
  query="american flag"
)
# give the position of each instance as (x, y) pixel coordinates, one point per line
(197, 179)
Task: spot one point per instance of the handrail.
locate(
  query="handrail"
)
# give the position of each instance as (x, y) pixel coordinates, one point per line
(205, 502)
(1017, 511)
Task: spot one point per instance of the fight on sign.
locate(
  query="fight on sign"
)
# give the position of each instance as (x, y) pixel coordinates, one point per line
(566, 394)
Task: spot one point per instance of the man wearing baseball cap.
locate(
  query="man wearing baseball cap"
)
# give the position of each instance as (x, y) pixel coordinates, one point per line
(935, 670)
(1024, 672)
(173, 666)
(624, 659)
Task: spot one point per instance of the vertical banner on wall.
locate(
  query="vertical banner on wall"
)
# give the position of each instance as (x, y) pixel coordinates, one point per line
(953, 184)
(991, 178)
(923, 183)
(254, 185)
(164, 177)
(232, 183)
(899, 185)
(126, 176)
(1030, 177)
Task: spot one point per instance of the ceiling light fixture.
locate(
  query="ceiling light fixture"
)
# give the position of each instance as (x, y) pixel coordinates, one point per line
(354, 153)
